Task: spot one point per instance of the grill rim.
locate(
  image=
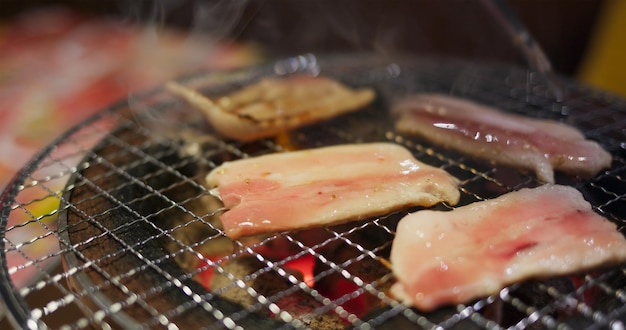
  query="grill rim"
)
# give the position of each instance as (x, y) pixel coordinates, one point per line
(18, 308)
(71, 259)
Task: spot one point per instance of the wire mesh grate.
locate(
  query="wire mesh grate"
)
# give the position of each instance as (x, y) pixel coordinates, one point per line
(112, 226)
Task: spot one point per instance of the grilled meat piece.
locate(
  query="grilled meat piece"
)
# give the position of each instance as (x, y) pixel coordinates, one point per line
(275, 105)
(324, 186)
(442, 258)
(484, 132)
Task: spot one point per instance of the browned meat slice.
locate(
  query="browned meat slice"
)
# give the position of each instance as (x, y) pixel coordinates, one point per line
(275, 105)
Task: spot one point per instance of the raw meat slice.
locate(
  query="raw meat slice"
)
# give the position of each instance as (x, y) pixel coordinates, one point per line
(275, 105)
(485, 132)
(324, 186)
(442, 258)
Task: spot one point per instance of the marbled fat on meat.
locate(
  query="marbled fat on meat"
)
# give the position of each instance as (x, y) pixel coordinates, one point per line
(441, 258)
(324, 186)
(538, 145)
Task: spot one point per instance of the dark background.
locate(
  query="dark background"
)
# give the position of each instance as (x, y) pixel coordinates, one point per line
(460, 28)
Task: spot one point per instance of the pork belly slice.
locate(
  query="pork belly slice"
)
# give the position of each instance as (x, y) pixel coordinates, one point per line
(441, 258)
(275, 105)
(484, 132)
(324, 186)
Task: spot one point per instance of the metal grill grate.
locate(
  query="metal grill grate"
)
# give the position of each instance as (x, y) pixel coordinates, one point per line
(110, 226)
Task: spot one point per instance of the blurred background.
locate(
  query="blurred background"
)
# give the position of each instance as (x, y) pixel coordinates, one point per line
(61, 61)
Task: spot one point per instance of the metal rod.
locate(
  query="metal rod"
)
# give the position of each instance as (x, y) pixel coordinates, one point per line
(524, 41)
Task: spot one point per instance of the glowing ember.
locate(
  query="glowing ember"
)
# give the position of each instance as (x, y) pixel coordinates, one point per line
(304, 265)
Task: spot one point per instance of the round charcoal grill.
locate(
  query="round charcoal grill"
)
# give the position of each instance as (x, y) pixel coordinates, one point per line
(111, 225)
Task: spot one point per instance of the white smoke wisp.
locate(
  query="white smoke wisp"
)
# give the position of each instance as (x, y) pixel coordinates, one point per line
(169, 48)
(217, 18)
(214, 18)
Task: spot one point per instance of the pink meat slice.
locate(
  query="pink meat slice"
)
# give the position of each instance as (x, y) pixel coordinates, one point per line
(441, 258)
(484, 132)
(324, 186)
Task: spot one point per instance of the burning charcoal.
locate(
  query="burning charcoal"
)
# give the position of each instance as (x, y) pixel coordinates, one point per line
(369, 270)
(530, 293)
(299, 304)
(350, 258)
(188, 231)
(388, 319)
(283, 246)
(239, 268)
